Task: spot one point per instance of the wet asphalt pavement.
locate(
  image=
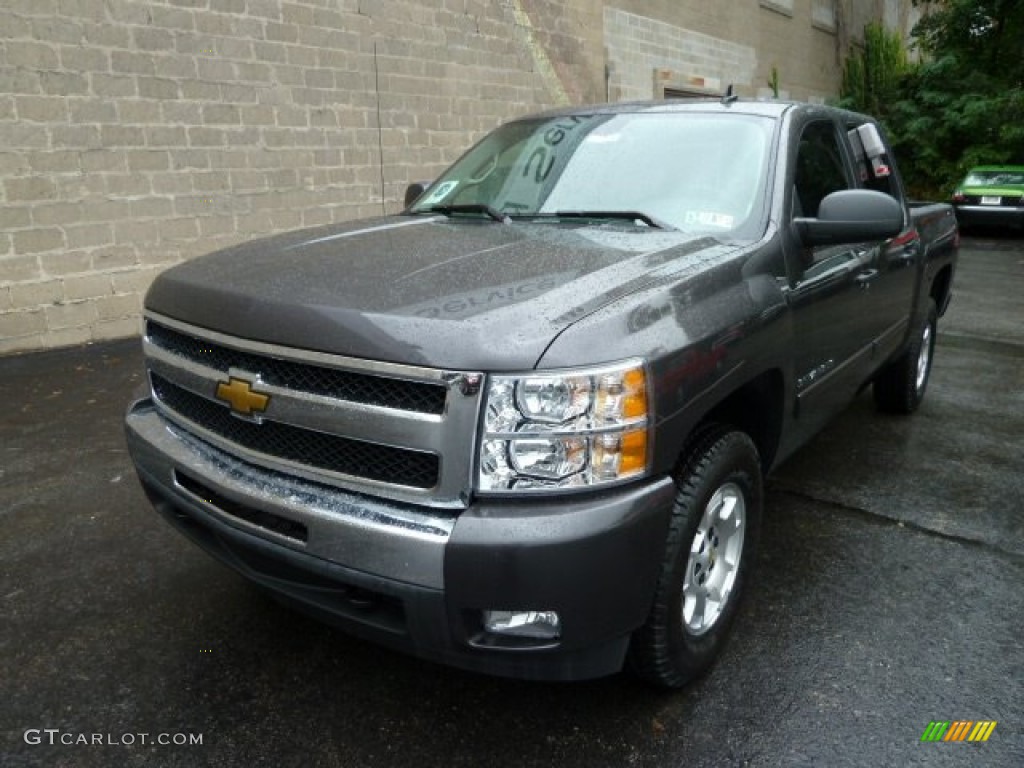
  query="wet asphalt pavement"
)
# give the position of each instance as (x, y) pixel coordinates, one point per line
(889, 593)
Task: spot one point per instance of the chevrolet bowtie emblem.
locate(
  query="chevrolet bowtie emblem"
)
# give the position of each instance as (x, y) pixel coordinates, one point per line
(239, 395)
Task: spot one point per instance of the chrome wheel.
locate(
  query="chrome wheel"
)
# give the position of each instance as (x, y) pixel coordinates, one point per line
(924, 358)
(714, 559)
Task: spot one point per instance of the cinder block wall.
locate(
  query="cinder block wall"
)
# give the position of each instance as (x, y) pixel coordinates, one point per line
(138, 133)
(712, 45)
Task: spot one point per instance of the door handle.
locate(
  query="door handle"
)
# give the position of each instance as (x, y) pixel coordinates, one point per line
(909, 252)
(864, 279)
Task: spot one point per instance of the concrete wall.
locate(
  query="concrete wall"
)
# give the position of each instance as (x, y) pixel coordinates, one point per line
(135, 134)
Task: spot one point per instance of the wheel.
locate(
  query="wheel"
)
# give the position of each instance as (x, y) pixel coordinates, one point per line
(709, 552)
(900, 386)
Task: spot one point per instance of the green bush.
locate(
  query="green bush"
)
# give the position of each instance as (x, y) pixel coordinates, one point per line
(961, 105)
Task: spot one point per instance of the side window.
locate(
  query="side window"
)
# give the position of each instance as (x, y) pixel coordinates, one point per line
(819, 168)
(819, 172)
(874, 174)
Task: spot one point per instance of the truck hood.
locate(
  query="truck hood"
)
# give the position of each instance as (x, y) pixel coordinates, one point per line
(460, 294)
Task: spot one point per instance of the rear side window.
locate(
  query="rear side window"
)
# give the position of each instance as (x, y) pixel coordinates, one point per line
(873, 173)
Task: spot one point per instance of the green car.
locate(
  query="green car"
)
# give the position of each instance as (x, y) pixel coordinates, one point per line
(992, 195)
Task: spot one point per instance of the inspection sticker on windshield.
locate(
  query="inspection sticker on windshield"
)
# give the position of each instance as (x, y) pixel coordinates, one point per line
(709, 219)
(439, 194)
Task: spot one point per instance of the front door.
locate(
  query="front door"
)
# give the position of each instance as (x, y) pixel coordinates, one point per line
(832, 327)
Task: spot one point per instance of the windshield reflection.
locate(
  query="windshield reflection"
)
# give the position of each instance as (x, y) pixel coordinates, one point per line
(690, 171)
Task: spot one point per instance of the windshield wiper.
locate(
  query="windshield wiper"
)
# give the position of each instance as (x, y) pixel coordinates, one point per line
(624, 215)
(448, 210)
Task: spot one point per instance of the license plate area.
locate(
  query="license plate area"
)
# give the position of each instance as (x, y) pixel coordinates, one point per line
(991, 200)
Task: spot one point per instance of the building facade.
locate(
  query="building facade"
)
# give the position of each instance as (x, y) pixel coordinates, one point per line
(135, 134)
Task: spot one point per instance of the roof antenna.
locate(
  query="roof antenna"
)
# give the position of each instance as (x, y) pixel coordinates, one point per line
(729, 97)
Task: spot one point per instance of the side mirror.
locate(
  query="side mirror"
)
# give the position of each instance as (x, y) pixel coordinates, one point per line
(414, 190)
(852, 216)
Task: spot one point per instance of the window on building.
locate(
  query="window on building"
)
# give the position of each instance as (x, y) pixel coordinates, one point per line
(823, 15)
(680, 93)
(785, 7)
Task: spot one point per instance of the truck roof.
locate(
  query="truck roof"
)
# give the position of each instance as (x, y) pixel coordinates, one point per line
(764, 108)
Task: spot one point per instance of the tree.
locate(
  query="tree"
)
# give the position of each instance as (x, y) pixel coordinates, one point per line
(986, 34)
(871, 78)
(962, 105)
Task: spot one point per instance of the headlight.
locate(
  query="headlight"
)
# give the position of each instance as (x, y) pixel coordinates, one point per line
(569, 429)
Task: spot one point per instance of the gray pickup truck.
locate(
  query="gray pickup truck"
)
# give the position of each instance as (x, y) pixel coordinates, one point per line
(521, 428)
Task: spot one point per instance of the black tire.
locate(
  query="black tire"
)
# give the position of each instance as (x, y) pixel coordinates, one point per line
(900, 386)
(670, 649)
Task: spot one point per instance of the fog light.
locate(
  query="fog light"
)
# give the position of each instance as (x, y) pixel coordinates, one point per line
(539, 625)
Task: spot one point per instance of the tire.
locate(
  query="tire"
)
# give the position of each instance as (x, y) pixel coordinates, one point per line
(719, 475)
(900, 386)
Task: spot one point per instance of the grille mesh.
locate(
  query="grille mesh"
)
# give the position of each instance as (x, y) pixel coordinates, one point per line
(416, 396)
(315, 449)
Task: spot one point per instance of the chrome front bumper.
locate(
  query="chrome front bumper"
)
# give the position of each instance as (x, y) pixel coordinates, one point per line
(411, 577)
(380, 538)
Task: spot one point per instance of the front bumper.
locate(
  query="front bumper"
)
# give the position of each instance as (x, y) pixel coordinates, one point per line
(417, 579)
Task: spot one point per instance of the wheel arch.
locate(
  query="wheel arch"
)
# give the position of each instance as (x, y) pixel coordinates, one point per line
(754, 408)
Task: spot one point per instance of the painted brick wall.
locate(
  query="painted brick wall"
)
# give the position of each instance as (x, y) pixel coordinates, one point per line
(135, 134)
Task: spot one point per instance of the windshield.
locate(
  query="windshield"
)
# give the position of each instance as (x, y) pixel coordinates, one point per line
(694, 172)
(994, 179)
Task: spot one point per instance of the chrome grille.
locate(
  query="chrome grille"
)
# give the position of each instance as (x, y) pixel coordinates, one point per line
(330, 382)
(303, 446)
(391, 430)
